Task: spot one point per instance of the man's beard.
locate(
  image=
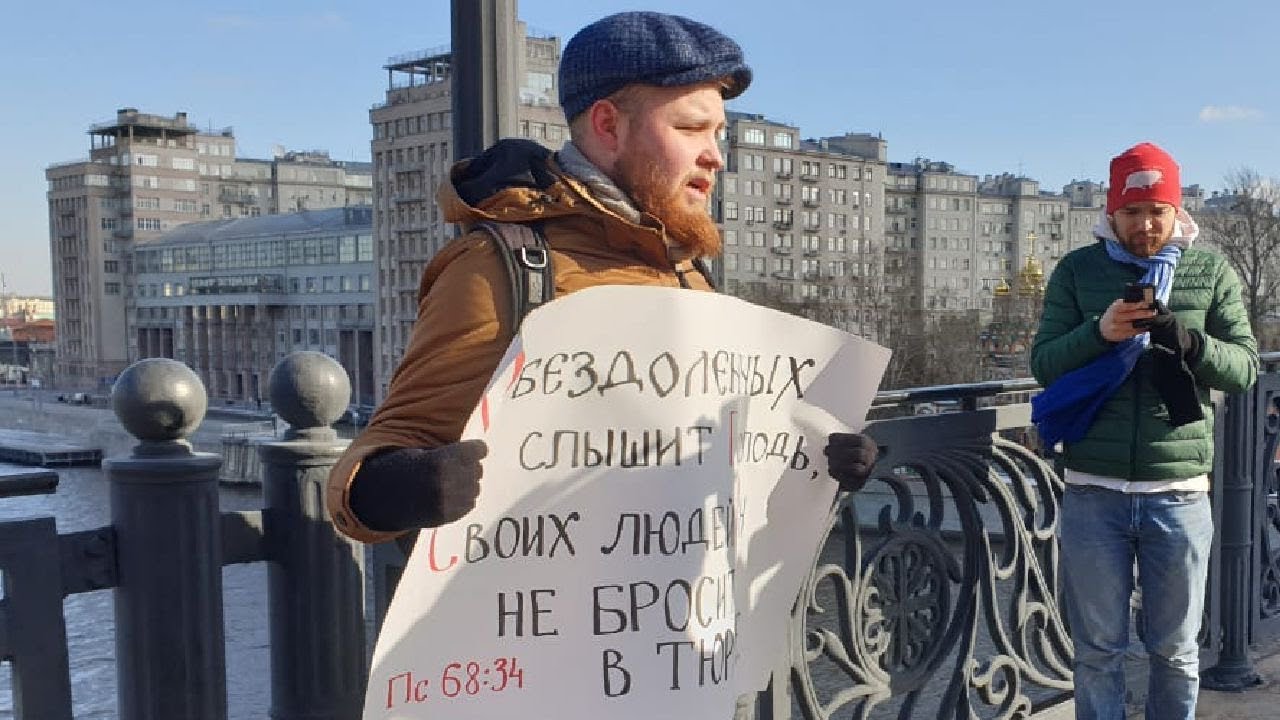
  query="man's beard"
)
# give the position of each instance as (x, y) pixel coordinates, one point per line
(689, 227)
(1139, 245)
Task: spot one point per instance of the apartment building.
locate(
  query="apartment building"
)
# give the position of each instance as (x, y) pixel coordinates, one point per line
(290, 181)
(146, 175)
(802, 221)
(230, 298)
(412, 132)
(953, 239)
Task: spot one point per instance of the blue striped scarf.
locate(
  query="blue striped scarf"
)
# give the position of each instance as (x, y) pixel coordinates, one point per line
(1066, 409)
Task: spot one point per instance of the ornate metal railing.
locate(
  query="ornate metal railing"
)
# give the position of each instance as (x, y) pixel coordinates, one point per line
(937, 591)
(935, 594)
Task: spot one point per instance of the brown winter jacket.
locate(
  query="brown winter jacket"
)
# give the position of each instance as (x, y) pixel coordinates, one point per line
(464, 324)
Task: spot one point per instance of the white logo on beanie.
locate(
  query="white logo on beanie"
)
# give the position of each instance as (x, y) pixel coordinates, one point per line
(1142, 180)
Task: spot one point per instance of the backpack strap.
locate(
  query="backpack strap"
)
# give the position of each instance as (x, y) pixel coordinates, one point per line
(705, 269)
(524, 253)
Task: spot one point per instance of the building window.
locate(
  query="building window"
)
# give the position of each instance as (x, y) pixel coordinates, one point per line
(111, 288)
(753, 136)
(782, 139)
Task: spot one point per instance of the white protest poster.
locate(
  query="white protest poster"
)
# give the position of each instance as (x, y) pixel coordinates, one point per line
(653, 498)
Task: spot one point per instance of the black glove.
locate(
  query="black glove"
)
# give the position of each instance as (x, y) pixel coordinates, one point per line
(1173, 349)
(1176, 386)
(850, 458)
(418, 487)
(1167, 332)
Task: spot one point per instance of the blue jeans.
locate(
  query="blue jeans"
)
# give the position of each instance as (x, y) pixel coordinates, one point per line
(1169, 535)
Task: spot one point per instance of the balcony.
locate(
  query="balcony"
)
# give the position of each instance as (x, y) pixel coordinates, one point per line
(237, 197)
(413, 194)
(408, 167)
(811, 203)
(784, 274)
(783, 174)
(782, 224)
(780, 250)
(783, 200)
(810, 177)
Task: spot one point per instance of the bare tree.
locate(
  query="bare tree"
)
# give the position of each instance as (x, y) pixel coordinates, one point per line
(1243, 223)
(781, 297)
(928, 348)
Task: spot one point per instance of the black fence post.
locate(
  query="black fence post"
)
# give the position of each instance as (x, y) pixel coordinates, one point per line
(1234, 670)
(164, 508)
(316, 577)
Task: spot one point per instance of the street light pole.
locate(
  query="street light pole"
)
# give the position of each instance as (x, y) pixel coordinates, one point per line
(483, 74)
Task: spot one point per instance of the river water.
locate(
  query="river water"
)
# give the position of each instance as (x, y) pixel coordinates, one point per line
(82, 503)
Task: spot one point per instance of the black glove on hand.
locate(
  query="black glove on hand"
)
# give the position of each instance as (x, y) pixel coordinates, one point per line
(1176, 386)
(418, 487)
(1167, 332)
(850, 458)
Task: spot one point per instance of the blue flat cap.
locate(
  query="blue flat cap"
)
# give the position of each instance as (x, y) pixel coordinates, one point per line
(649, 48)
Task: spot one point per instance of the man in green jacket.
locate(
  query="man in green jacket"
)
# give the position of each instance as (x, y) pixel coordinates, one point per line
(1127, 396)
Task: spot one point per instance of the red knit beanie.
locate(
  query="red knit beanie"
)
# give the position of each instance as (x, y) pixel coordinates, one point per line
(1143, 172)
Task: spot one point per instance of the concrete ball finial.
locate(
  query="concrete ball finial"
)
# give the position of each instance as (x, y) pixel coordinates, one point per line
(309, 390)
(159, 400)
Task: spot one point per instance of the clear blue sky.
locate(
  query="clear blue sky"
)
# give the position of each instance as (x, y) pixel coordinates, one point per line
(1051, 90)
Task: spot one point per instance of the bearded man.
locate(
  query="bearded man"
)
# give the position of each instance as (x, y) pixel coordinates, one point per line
(1137, 329)
(624, 202)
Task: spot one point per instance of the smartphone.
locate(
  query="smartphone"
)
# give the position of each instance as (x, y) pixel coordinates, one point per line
(1140, 292)
(1144, 293)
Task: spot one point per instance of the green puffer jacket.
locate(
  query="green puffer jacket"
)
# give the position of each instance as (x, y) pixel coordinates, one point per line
(1131, 438)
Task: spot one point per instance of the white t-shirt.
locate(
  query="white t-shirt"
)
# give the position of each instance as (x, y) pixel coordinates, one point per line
(1197, 483)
